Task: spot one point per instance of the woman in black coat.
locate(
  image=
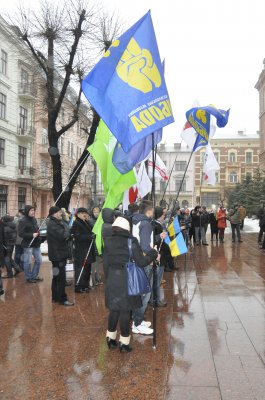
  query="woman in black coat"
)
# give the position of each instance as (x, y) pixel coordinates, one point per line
(117, 300)
(10, 236)
(82, 237)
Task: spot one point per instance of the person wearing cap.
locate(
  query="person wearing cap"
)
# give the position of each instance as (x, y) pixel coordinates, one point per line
(28, 230)
(84, 249)
(58, 234)
(117, 300)
(235, 220)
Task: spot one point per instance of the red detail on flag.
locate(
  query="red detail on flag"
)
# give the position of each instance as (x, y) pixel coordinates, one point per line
(206, 177)
(187, 126)
(133, 193)
(159, 170)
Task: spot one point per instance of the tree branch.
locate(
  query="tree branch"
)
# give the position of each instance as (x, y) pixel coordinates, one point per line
(69, 67)
(37, 58)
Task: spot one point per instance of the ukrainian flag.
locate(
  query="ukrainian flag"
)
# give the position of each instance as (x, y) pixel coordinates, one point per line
(177, 245)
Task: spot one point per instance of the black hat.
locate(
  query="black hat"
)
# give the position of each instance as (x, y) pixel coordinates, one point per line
(53, 210)
(158, 212)
(82, 210)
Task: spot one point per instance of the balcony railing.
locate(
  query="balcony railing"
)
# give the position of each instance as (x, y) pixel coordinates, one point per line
(26, 90)
(28, 132)
(25, 172)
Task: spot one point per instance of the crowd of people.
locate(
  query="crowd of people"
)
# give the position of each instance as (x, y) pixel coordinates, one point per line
(136, 234)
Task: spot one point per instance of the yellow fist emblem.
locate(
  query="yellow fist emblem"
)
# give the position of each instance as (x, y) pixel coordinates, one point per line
(201, 115)
(137, 68)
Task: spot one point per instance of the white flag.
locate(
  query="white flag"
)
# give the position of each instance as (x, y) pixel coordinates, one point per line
(161, 171)
(210, 166)
(143, 182)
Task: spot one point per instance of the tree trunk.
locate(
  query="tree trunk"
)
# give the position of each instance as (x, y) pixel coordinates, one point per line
(65, 199)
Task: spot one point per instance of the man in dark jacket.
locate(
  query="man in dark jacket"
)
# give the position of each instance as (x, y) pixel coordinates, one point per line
(10, 236)
(29, 231)
(261, 217)
(2, 262)
(58, 235)
(198, 221)
(84, 250)
(143, 231)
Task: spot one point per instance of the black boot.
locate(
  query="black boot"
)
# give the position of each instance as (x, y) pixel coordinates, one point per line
(111, 343)
(126, 348)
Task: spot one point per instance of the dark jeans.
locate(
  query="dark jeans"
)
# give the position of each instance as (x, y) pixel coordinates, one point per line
(9, 262)
(1, 282)
(138, 314)
(221, 234)
(58, 281)
(236, 231)
(159, 277)
(261, 231)
(119, 316)
(18, 255)
(85, 277)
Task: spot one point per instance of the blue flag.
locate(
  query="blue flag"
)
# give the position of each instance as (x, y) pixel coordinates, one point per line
(200, 119)
(125, 162)
(127, 87)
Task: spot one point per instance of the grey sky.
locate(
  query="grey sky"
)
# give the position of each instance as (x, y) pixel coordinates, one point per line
(213, 49)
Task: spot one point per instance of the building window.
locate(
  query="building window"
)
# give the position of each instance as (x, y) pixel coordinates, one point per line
(202, 157)
(23, 118)
(232, 157)
(249, 157)
(233, 177)
(209, 199)
(249, 175)
(178, 183)
(2, 106)
(44, 168)
(217, 177)
(3, 200)
(2, 151)
(216, 155)
(72, 150)
(60, 145)
(185, 204)
(3, 62)
(44, 136)
(22, 193)
(162, 185)
(22, 158)
(181, 165)
(24, 80)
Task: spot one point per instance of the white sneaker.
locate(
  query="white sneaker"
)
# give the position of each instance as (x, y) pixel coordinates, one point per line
(146, 323)
(142, 330)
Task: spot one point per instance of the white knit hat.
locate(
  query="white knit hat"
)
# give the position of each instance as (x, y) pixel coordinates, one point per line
(123, 223)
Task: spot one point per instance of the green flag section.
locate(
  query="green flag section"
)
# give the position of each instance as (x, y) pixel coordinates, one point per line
(114, 183)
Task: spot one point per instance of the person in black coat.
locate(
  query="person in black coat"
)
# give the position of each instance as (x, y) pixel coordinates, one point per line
(10, 236)
(119, 303)
(58, 235)
(28, 230)
(2, 261)
(83, 237)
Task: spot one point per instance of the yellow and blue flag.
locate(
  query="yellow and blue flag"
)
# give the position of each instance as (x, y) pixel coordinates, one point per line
(200, 119)
(175, 240)
(177, 245)
(127, 87)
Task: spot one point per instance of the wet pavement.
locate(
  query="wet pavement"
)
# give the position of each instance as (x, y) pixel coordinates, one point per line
(210, 341)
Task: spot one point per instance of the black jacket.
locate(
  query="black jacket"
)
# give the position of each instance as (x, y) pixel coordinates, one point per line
(82, 236)
(58, 235)
(2, 243)
(26, 227)
(165, 250)
(199, 219)
(116, 293)
(108, 219)
(10, 231)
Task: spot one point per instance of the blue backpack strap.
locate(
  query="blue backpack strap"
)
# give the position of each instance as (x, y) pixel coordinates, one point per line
(130, 248)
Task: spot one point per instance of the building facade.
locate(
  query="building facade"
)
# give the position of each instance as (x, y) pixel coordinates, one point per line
(176, 157)
(17, 132)
(260, 86)
(238, 157)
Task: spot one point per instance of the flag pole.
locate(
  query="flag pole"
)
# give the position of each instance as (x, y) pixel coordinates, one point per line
(154, 263)
(172, 169)
(60, 195)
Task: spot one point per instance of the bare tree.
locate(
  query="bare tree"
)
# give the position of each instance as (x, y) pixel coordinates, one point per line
(65, 39)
